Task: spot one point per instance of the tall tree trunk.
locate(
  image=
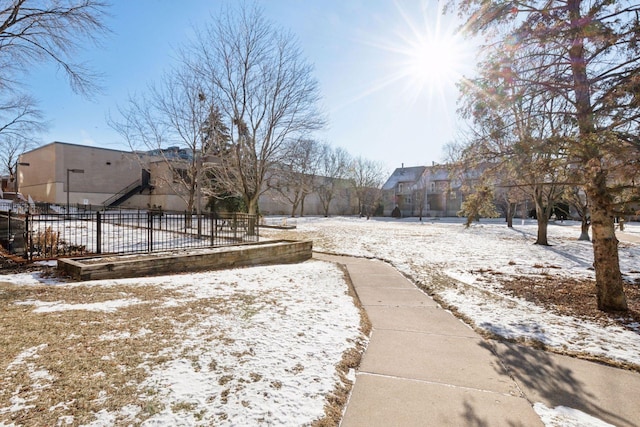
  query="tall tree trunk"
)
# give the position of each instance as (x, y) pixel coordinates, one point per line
(609, 289)
(252, 209)
(295, 203)
(510, 211)
(543, 223)
(542, 215)
(606, 262)
(189, 212)
(326, 210)
(302, 205)
(252, 205)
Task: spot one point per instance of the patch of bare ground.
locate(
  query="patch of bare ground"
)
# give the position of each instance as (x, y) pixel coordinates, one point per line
(573, 297)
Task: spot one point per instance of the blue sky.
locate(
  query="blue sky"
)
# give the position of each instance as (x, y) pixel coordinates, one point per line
(379, 103)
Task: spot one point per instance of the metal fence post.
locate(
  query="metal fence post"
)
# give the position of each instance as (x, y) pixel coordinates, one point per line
(98, 232)
(256, 222)
(26, 237)
(213, 228)
(235, 226)
(9, 243)
(149, 232)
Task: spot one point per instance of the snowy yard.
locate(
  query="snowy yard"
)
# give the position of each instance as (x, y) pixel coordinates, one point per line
(256, 346)
(464, 269)
(273, 345)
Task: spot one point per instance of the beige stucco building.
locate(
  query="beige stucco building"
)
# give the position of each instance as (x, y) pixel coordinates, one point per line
(59, 172)
(86, 175)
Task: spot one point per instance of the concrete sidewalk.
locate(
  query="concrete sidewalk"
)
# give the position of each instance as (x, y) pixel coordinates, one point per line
(424, 367)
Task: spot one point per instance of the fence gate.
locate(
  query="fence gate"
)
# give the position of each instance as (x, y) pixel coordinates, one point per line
(12, 232)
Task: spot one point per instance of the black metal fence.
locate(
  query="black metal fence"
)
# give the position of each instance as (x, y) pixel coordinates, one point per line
(53, 235)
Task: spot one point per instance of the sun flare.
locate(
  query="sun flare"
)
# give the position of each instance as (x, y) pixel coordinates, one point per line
(420, 54)
(432, 53)
(433, 60)
(428, 55)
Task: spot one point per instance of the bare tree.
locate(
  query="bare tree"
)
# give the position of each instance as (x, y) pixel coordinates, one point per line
(296, 177)
(265, 91)
(332, 170)
(586, 52)
(10, 149)
(366, 177)
(19, 121)
(176, 113)
(33, 31)
(578, 200)
(420, 189)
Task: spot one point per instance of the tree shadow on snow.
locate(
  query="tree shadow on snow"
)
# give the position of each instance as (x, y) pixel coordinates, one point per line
(554, 380)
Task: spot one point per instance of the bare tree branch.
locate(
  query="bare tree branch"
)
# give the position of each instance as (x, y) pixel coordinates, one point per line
(36, 31)
(266, 93)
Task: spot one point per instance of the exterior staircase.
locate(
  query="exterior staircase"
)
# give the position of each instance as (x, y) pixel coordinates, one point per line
(130, 190)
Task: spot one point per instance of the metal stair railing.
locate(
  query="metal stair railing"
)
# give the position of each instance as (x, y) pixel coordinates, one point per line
(129, 188)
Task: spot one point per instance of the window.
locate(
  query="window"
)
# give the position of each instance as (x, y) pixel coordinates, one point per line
(433, 186)
(407, 200)
(181, 175)
(400, 188)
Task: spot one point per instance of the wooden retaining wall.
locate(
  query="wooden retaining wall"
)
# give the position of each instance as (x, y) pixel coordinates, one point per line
(271, 252)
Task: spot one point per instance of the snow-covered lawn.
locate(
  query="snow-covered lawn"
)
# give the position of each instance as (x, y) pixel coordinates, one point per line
(476, 257)
(266, 345)
(254, 346)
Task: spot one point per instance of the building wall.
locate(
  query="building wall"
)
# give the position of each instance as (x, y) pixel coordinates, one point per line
(344, 202)
(38, 179)
(163, 194)
(167, 202)
(106, 172)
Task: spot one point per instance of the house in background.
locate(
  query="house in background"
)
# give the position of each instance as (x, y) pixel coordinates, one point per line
(399, 190)
(422, 191)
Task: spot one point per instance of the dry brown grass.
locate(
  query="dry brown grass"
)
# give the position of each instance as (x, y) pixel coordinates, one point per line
(93, 361)
(75, 349)
(573, 297)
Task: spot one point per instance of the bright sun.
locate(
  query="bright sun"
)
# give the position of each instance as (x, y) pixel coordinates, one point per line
(430, 55)
(420, 51)
(432, 61)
